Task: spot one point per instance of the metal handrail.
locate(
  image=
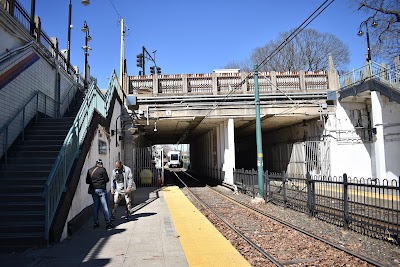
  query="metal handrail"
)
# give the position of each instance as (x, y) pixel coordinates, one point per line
(370, 70)
(6, 126)
(23, 17)
(56, 181)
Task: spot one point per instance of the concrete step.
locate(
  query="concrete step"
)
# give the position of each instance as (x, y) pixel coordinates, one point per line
(30, 160)
(21, 188)
(45, 137)
(18, 242)
(23, 173)
(21, 216)
(10, 180)
(22, 227)
(54, 131)
(26, 166)
(39, 154)
(64, 127)
(43, 142)
(22, 197)
(38, 148)
(22, 207)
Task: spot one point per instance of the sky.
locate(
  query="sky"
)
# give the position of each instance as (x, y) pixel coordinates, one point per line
(189, 36)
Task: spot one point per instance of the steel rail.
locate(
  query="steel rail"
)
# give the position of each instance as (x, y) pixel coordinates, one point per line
(339, 247)
(251, 243)
(350, 252)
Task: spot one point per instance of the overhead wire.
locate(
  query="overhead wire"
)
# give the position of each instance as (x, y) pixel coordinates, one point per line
(300, 28)
(119, 16)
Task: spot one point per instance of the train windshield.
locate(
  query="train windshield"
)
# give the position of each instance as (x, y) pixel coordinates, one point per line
(174, 156)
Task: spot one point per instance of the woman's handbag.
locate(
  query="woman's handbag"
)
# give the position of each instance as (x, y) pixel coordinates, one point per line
(90, 188)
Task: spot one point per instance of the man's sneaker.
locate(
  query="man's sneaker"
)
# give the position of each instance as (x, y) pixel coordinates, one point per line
(109, 226)
(127, 216)
(112, 218)
(96, 225)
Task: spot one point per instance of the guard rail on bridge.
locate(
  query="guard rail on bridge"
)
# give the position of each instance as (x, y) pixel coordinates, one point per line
(223, 83)
(371, 70)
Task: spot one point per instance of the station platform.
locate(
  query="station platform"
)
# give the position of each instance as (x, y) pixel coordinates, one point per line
(165, 230)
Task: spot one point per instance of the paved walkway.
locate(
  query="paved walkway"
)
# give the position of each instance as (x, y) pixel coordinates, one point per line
(148, 239)
(165, 230)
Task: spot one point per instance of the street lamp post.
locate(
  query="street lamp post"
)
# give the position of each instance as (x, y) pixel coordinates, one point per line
(70, 26)
(86, 49)
(360, 33)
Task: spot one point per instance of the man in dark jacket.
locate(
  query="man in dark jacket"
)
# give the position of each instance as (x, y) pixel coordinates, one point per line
(97, 178)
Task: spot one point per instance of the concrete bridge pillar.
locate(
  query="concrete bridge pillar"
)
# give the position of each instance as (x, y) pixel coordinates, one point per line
(155, 84)
(185, 83)
(244, 85)
(379, 144)
(333, 78)
(273, 80)
(214, 83)
(302, 80)
(229, 151)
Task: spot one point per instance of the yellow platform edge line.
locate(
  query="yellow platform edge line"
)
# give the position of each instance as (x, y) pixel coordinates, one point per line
(202, 243)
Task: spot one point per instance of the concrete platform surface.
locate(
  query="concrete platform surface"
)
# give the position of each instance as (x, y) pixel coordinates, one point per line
(147, 239)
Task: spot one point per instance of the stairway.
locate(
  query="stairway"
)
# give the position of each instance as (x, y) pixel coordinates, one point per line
(23, 178)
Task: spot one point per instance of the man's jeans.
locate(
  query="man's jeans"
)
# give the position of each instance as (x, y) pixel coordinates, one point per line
(100, 198)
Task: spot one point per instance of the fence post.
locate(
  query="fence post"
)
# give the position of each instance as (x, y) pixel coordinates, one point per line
(284, 180)
(345, 203)
(267, 187)
(310, 195)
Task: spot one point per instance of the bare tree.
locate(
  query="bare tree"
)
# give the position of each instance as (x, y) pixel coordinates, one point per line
(385, 37)
(307, 51)
(243, 65)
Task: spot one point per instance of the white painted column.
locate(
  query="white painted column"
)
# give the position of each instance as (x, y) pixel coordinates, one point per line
(209, 159)
(379, 144)
(229, 153)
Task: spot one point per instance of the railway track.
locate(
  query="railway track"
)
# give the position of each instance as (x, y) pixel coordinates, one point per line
(264, 240)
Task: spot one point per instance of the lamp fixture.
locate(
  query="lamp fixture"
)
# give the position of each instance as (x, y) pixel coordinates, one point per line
(85, 2)
(155, 126)
(304, 124)
(85, 27)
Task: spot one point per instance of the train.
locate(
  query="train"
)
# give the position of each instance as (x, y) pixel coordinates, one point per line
(175, 159)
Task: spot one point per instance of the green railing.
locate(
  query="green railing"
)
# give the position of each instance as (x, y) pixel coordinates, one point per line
(371, 70)
(37, 103)
(95, 100)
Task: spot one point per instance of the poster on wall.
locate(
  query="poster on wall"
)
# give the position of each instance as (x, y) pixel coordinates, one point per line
(102, 147)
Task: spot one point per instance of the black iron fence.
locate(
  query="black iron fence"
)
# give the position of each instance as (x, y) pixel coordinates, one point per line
(367, 206)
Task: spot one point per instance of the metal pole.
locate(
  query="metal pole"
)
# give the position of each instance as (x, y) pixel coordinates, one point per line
(368, 44)
(260, 168)
(122, 54)
(86, 60)
(143, 68)
(69, 35)
(32, 18)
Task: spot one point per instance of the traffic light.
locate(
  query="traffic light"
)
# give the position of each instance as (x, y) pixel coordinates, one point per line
(158, 70)
(139, 60)
(152, 70)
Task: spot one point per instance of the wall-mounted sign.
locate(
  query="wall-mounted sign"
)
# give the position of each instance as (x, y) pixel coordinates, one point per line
(102, 147)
